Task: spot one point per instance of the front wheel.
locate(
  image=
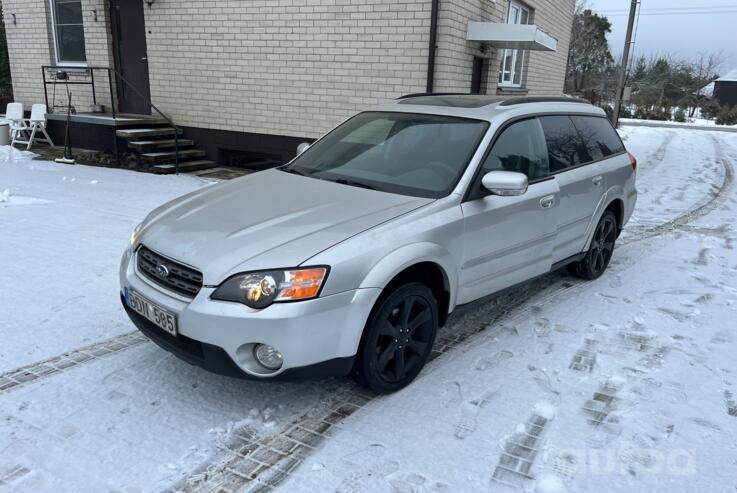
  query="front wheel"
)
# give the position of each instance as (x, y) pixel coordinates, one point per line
(398, 338)
(600, 252)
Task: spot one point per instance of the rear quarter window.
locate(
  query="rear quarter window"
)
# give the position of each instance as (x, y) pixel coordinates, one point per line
(566, 148)
(599, 136)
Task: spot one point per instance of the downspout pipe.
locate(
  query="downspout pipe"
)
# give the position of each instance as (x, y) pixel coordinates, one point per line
(433, 45)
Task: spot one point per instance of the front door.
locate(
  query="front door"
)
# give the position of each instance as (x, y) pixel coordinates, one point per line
(131, 59)
(510, 239)
(476, 75)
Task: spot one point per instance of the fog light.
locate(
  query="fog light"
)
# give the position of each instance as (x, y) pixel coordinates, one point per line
(268, 356)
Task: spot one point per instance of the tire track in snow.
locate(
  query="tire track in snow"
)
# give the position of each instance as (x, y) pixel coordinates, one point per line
(717, 199)
(38, 371)
(658, 156)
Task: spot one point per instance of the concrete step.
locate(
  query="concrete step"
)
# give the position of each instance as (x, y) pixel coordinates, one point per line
(184, 167)
(142, 133)
(150, 145)
(170, 156)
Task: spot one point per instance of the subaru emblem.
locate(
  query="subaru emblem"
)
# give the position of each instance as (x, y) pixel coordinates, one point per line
(162, 270)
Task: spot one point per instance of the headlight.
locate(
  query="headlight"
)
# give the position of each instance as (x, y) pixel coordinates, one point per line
(134, 234)
(261, 289)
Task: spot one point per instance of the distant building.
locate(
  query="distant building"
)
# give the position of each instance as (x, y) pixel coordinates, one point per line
(724, 89)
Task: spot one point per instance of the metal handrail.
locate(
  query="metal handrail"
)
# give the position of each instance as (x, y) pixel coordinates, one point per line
(110, 72)
(152, 105)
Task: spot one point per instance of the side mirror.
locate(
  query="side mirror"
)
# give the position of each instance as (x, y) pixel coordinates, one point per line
(302, 147)
(505, 183)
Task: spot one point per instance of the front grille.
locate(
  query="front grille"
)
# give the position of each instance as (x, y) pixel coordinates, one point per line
(168, 273)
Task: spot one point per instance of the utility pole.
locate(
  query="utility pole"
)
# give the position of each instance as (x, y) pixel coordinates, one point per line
(625, 61)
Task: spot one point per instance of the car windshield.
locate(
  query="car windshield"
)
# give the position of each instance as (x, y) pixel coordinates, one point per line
(411, 154)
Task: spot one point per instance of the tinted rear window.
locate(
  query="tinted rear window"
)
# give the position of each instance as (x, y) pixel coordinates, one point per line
(565, 146)
(600, 137)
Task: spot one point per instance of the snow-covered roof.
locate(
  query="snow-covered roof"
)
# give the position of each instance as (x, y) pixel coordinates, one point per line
(708, 90)
(730, 76)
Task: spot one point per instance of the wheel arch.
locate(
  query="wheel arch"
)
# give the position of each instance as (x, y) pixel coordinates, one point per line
(423, 262)
(613, 200)
(617, 206)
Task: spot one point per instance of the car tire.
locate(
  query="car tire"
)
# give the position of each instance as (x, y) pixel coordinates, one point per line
(597, 259)
(398, 338)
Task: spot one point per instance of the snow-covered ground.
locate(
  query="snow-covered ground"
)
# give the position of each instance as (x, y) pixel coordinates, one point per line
(622, 384)
(698, 122)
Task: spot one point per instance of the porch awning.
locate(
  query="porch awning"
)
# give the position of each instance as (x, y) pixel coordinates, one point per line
(511, 36)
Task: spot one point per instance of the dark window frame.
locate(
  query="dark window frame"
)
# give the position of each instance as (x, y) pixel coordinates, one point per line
(56, 34)
(475, 190)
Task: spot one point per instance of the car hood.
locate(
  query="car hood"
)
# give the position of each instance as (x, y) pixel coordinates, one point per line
(266, 220)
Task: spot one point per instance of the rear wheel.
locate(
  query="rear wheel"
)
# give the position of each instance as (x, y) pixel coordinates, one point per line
(398, 338)
(600, 252)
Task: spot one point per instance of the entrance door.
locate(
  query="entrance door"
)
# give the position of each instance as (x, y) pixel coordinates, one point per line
(131, 59)
(476, 75)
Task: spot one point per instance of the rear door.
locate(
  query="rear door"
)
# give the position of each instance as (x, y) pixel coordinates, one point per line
(602, 138)
(574, 162)
(510, 239)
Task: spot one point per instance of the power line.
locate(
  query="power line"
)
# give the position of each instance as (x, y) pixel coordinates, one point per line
(660, 9)
(677, 13)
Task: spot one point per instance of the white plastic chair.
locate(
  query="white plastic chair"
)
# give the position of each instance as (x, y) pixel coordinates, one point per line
(14, 116)
(37, 124)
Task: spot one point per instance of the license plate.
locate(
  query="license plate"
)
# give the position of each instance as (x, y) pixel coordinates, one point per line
(160, 317)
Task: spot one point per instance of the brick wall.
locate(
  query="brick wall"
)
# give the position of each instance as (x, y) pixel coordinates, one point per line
(30, 45)
(282, 66)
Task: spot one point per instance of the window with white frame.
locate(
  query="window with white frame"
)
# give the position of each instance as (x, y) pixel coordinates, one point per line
(68, 31)
(513, 61)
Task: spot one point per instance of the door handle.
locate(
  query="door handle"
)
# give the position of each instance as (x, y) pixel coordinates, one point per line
(597, 181)
(547, 202)
(144, 58)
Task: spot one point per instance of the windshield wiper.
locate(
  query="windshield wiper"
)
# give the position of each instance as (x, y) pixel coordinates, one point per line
(293, 171)
(352, 183)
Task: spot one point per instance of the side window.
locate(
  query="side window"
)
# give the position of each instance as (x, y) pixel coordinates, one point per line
(566, 148)
(521, 148)
(599, 135)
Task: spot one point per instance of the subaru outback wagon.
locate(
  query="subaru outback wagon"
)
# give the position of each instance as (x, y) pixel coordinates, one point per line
(349, 258)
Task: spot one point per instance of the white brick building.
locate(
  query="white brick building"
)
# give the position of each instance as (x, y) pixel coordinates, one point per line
(260, 75)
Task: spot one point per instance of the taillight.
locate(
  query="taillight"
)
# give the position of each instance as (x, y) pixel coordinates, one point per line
(633, 161)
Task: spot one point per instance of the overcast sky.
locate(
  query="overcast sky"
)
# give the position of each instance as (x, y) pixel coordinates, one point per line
(682, 28)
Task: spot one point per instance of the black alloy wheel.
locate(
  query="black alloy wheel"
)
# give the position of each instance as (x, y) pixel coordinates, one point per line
(600, 252)
(398, 338)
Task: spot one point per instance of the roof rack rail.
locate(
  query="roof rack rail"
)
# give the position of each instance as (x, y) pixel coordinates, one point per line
(542, 99)
(421, 94)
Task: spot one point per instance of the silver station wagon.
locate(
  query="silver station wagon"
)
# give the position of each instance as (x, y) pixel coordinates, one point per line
(349, 258)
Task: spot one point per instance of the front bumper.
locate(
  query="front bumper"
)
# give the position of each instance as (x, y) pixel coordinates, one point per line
(317, 337)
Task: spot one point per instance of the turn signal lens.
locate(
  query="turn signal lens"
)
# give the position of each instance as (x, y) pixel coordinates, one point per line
(301, 284)
(261, 289)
